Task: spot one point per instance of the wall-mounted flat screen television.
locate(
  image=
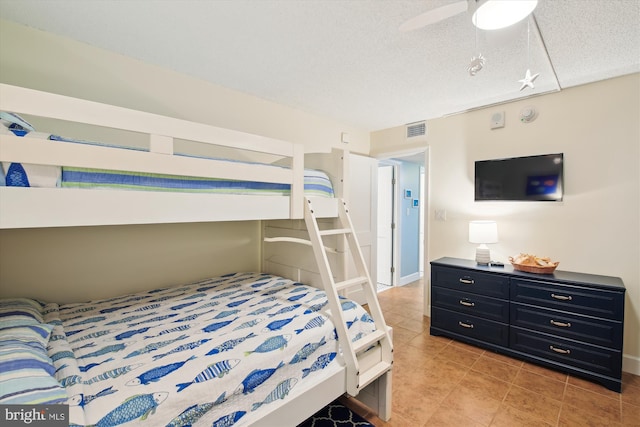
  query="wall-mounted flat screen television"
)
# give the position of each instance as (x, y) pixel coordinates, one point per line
(531, 178)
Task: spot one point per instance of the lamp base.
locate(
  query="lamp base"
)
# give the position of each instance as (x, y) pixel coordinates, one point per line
(483, 256)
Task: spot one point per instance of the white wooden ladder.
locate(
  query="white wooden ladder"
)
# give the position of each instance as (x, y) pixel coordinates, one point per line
(372, 355)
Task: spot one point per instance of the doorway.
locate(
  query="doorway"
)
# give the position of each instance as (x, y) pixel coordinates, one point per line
(401, 219)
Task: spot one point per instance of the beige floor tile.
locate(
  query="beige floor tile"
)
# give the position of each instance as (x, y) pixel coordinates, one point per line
(593, 404)
(494, 368)
(508, 416)
(544, 385)
(536, 405)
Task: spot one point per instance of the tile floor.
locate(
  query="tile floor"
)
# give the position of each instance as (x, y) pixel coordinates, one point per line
(441, 382)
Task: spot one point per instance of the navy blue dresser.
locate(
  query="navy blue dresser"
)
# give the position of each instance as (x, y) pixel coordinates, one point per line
(571, 322)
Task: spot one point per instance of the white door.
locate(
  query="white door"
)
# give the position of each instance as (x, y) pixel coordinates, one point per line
(385, 224)
(362, 209)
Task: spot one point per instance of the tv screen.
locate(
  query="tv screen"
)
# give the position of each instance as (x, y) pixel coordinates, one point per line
(531, 178)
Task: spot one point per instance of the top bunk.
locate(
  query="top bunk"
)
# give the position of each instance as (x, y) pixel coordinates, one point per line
(141, 168)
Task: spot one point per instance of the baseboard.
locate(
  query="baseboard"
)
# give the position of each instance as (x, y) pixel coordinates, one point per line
(405, 280)
(631, 364)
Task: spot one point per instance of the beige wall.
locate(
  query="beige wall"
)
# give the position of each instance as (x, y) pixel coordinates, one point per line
(74, 264)
(596, 229)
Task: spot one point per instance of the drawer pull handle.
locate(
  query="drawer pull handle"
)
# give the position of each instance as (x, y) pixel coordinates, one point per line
(561, 297)
(466, 281)
(466, 325)
(559, 350)
(560, 324)
(467, 303)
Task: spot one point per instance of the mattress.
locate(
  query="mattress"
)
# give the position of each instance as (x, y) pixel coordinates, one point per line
(316, 183)
(215, 352)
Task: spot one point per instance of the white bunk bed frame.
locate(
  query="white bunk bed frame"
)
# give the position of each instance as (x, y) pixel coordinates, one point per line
(56, 207)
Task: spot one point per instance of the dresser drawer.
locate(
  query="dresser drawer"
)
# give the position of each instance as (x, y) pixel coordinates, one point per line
(580, 355)
(607, 333)
(492, 285)
(469, 303)
(470, 326)
(576, 299)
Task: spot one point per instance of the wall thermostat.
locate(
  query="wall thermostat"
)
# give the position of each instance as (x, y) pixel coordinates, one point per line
(528, 114)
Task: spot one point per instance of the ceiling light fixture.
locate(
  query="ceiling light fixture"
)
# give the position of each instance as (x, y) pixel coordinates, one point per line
(496, 14)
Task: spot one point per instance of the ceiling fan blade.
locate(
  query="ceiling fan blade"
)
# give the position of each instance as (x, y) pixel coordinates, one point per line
(436, 15)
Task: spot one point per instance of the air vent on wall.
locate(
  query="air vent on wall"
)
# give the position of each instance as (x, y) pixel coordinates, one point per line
(416, 129)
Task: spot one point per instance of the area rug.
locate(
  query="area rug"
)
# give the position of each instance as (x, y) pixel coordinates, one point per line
(336, 415)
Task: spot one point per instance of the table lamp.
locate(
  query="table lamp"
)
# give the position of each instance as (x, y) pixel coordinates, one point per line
(483, 232)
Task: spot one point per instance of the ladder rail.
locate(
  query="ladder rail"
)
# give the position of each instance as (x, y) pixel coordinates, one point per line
(381, 337)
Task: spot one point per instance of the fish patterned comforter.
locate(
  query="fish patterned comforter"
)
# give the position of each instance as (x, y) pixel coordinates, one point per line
(215, 353)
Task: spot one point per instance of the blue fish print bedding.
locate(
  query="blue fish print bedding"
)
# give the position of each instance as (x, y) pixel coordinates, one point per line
(216, 352)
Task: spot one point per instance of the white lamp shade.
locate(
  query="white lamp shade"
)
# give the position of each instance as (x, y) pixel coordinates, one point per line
(496, 14)
(483, 232)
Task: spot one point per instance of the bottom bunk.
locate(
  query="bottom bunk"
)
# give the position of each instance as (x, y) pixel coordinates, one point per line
(241, 349)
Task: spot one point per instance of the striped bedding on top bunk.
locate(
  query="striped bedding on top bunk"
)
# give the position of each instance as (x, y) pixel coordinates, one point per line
(316, 183)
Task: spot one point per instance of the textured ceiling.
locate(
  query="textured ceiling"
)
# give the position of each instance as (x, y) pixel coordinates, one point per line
(346, 59)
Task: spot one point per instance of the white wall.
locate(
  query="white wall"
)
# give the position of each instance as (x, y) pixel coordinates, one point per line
(596, 229)
(74, 264)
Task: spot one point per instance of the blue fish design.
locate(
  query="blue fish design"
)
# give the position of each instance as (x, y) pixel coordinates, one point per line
(90, 336)
(200, 307)
(280, 392)
(189, 346)
(276, 325)
(255, 378)
(264, 301)
(70, 380)
(249, 324)
(230, 344)
(258, 284)
(188, 318)
(348, 305)
(155, 346)
(320, 363)
(237, 303)
(286, 309)
(263, 309)
(190, 415)
(228, 420)
(297, 289)
(62, 355)
(313, 323)
(129, 334)
(215, 326)
(70, 333)
(87, 345)
(154, 319)
(169, 331)
(215, 370)
(104, 350)
(366, 318)
(144, 308)
(297, 297)
(156, 374)
(226, 313)
(315, 307)
(82, 400)
(112, 309)
(89, 320)
(307, 351)
(138, 406)
(113, 373)
(126, 319)
(194, 296)
(181, 306)
(350, 324)
(93, 365)
(274, 343)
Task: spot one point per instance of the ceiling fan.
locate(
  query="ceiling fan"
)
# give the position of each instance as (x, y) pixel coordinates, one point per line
(486, 14)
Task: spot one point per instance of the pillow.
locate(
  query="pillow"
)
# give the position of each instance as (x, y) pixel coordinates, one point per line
(19, 311)
(26, 371)
(15, 123)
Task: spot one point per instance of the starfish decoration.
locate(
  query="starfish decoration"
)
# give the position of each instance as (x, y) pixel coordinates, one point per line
(528, 80)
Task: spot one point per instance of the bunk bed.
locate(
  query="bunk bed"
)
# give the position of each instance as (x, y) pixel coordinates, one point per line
(56, 206)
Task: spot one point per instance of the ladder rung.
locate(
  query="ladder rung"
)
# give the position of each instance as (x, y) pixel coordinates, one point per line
(368, 340)
(372, 373)
(335, 231)
(351, 282)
